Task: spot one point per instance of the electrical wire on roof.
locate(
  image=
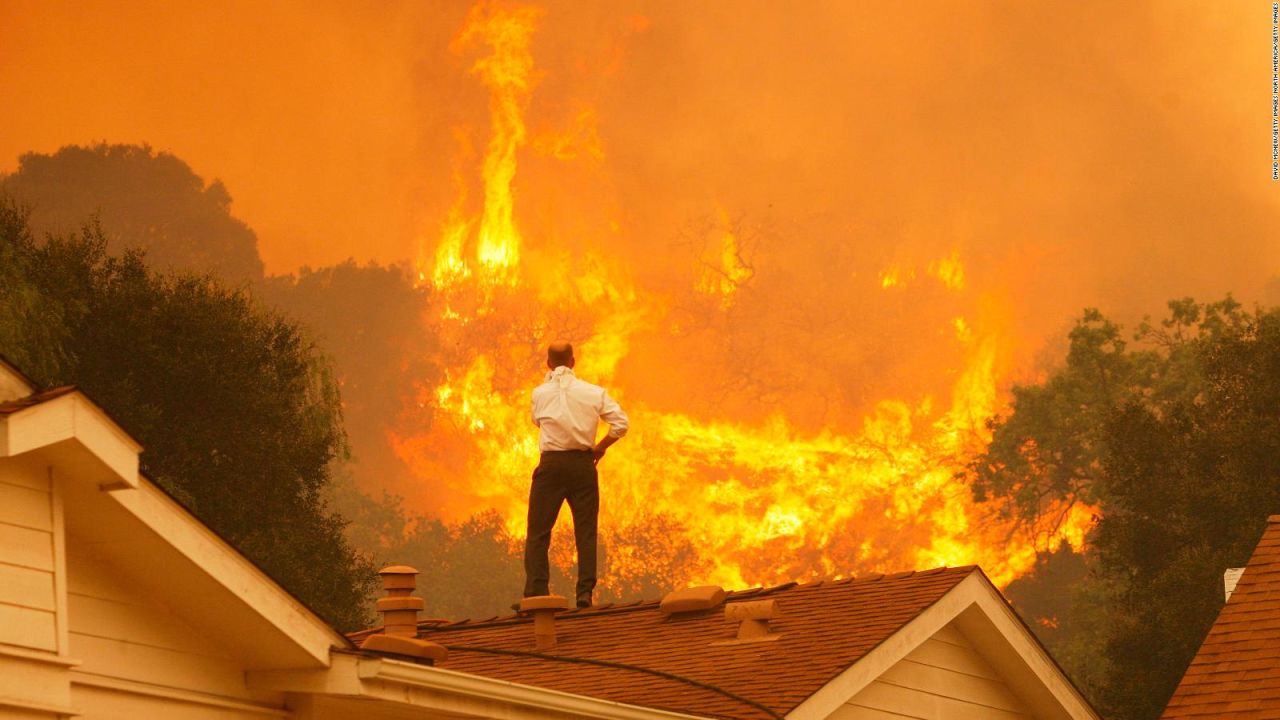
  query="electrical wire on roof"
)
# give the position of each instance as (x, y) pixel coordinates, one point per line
(622, 666)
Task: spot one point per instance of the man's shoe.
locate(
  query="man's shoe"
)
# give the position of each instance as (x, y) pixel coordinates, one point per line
(584, 604)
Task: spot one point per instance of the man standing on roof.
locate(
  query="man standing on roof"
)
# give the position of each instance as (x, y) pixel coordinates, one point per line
(567, 412)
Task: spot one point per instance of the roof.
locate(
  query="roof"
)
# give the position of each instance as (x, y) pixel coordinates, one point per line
(690, 663)
(1236, 672)
(13, 406)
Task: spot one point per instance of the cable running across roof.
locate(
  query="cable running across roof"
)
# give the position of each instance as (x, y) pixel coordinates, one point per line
(622, 666)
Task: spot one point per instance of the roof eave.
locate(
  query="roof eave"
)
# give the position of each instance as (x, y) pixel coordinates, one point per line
(360, 674)
(74, 427)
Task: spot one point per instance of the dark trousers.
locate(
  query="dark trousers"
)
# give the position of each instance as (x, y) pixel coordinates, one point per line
(560, 476)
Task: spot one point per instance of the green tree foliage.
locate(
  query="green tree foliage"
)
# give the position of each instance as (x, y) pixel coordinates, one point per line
(237, 411)
(1064, 598)
(473, 568)
(1177, 440)
(31, 331)
(144, 200)
(1189, 488)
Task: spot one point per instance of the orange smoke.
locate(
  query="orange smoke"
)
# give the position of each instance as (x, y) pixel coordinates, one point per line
(762, 501)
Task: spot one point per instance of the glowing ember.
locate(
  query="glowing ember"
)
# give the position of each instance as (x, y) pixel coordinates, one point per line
(762, 501)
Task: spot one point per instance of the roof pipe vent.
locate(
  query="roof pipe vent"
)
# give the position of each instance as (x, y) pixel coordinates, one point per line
(400, 610)
(754, 616)
(544, 608)
(1229, 580)
(702, 597)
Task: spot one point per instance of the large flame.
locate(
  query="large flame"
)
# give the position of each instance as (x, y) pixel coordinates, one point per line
(761, 501)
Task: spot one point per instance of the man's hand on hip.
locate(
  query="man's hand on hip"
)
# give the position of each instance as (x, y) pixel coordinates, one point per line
(600, 448)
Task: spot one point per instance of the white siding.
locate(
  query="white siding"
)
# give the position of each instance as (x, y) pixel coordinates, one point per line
(942, 679)
(28, 602)
(27, 548)
(138, 654)
(23, 505)
(33, 679)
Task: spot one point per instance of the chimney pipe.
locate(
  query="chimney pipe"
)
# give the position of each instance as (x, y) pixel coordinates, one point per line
(544, 608)
(400, 610)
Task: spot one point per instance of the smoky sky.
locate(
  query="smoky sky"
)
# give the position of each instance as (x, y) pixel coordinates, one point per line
(1092, 153)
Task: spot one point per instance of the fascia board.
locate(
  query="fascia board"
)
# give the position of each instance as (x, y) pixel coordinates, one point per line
(73, 417)
(443, 684)
(448, 692)
(976, 598)
(226, 566)
(487, 689)
(999, 635)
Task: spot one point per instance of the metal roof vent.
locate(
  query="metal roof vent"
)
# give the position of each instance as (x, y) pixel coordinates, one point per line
(754, 618)
(702, 597)
(544, 609)
(400, 610)
(1229, 580)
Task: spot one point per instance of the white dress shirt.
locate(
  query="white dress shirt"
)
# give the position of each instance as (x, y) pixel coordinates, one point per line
(567, 412)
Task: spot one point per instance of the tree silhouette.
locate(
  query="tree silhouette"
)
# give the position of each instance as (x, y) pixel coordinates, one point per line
(143, 200)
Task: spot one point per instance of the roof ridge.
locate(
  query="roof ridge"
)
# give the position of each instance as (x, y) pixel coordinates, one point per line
(618, 608)
(868, 577)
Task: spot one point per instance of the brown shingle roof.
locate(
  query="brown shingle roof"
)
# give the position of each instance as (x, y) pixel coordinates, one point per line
(822, 628)
(1236, 672)
(13, 406)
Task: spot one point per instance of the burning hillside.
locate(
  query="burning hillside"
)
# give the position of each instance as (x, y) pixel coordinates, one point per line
(772, 472)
